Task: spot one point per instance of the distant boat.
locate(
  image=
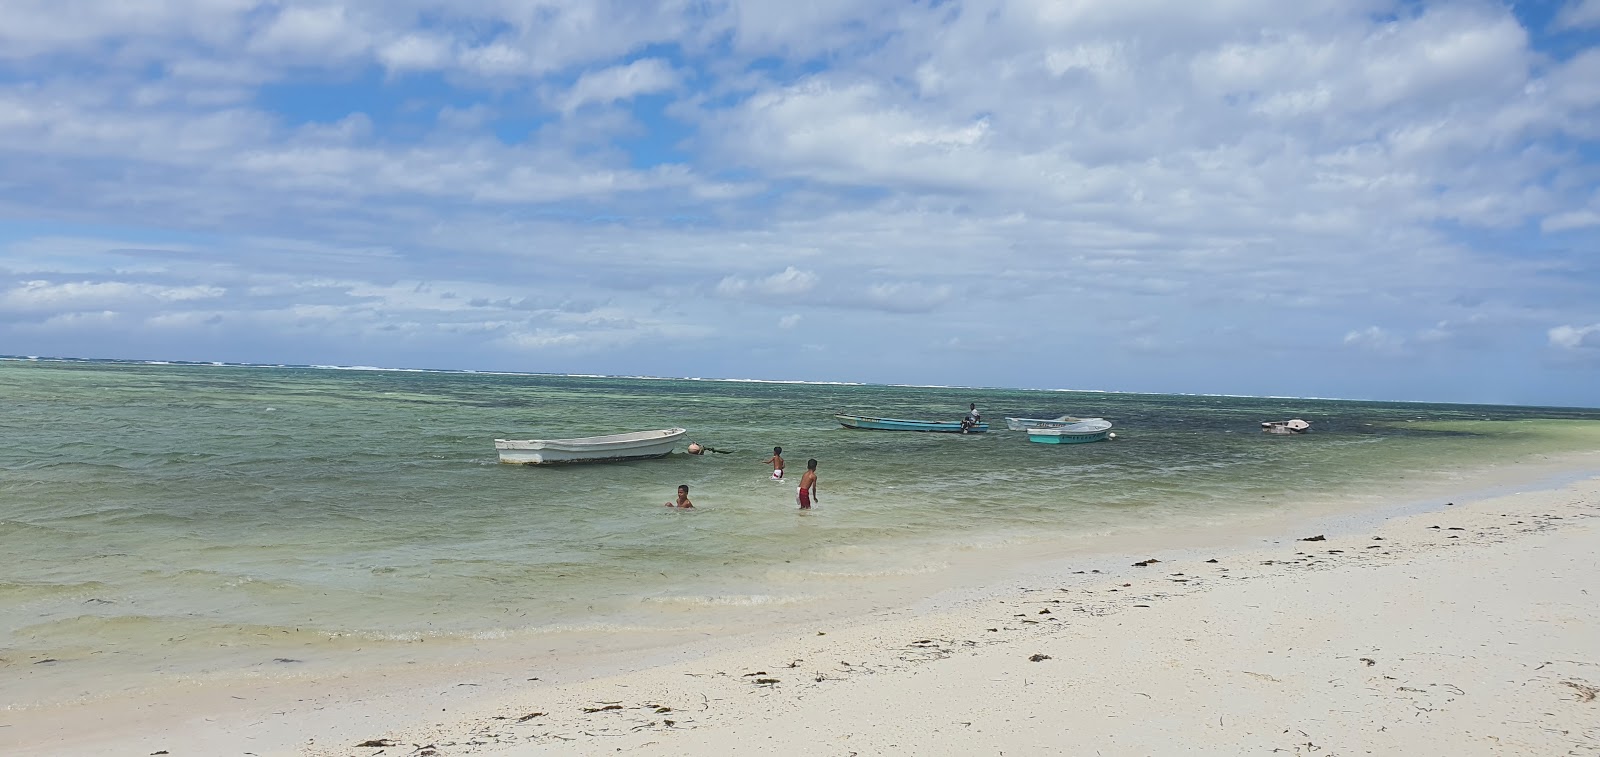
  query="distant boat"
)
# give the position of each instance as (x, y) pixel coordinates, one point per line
(589, 449)
(1292, 426)
(1023, 424)
(901, 424)
(1087, 430)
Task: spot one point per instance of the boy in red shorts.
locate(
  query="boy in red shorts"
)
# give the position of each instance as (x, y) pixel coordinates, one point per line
(808, 485)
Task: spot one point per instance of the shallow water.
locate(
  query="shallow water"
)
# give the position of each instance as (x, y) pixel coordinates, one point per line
(162, 520)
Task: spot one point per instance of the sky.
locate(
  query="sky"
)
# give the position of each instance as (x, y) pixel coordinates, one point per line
(1336, 198)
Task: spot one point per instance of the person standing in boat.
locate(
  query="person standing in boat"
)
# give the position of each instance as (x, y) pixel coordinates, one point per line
(971, 418)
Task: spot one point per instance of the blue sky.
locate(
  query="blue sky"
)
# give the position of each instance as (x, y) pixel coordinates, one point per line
(1350, 198)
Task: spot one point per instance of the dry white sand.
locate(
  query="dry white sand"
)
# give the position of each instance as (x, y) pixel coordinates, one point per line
(1472, 629)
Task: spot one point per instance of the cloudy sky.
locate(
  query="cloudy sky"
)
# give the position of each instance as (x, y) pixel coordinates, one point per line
(1352, 198)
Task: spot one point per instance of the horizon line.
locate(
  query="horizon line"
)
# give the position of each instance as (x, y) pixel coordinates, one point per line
(472, 371)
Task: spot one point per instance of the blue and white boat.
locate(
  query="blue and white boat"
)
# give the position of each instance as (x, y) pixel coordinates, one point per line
(901, 424)
(1088, 430)
(1023, 424)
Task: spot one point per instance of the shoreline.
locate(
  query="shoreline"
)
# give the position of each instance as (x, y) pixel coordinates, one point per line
(456, 708)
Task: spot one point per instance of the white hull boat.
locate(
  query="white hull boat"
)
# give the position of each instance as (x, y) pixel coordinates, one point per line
(1294, 426)
(1086, 430)
(1023, 424)
(590, 449)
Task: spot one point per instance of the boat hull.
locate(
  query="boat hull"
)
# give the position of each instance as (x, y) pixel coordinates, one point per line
(1081, 432)
(902, 424)
(1098, 436)
(1293, 426)
(637, 445)
(1023, 424)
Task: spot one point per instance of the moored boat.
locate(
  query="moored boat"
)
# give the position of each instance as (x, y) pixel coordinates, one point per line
(903, 424)
(590, 449)
(1023, 424)
(1087, 430)
(1292, 426)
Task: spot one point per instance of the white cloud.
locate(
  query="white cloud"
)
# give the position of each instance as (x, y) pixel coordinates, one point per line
(70, 323)
(43, 296)
(1569, 220)
(641, 77)
(1482, 327)
(1573, 88)
(187, 321)
(858, 133)
(789, 281)
(1099, 59)
(1375, 339)
(308, 34)
(244, 152)
(1579, 14)
(789, 321)
(799, 29)
(1576, 338)
(316, 315)
(907, 297)
(595, 331)
(40, 27)
(497, 59)
(416, 51)
(351, 128)
(542, 339)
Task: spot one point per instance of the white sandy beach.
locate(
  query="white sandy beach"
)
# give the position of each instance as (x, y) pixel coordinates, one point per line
(1472, 628)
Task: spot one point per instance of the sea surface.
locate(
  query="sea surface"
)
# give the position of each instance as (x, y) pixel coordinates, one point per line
(164, 522)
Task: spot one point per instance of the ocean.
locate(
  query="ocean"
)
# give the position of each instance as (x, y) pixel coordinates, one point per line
(175, 523)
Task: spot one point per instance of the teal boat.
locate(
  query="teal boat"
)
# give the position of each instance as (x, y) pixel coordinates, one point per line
(1090, 430)
(901, 424)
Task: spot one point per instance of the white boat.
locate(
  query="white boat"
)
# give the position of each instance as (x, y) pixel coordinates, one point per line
(1292, 426)
(1023, 424)
(589, 449)
(1086, 430)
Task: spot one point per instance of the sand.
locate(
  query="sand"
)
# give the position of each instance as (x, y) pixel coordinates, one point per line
(1469, 628)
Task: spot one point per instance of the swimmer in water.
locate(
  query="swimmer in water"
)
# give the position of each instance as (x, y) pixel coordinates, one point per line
(682, 501)
(777, 463)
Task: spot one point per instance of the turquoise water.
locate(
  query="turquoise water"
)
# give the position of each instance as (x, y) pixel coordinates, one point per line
(196, 520)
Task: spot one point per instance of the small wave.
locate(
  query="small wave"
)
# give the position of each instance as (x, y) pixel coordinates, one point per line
(490, 634)
(94, 591)
(863, 574)
(31, 530)
(71, 465)
(493, 634)
(728, 600)
(227, 582)
(403, 636)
